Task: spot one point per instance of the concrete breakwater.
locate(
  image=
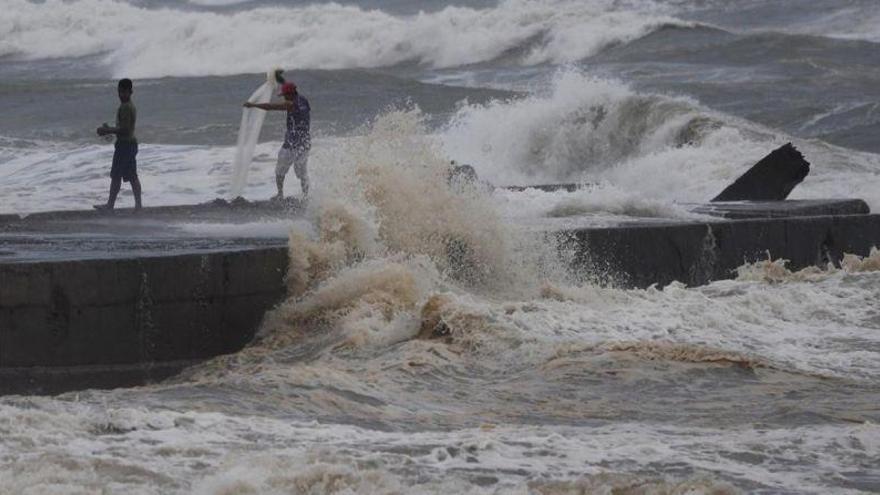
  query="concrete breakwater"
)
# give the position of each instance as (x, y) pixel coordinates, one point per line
(117, 322)
(697, 253)
(131, 315)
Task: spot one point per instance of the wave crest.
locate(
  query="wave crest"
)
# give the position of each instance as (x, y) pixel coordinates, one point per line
(579, 125)
(138, 42)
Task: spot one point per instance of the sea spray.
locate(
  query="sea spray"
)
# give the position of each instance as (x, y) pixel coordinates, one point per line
(402, 236)
(645, 151)
(578, 126)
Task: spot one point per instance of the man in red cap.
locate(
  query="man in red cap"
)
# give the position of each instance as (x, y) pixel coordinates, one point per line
(297, 141)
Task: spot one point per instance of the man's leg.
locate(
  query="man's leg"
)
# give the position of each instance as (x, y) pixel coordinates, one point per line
(304, 181)
(285, 158)
(279, 183)
(301, 169)
(136, 189)
(115, 180)
(133, 177)
(115, 184)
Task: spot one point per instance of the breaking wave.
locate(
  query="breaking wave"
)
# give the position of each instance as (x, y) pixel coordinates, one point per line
(644, 150)
(585, 128)
(139, 42)
(403, 235)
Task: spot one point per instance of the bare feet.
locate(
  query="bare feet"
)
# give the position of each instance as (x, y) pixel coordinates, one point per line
(103, 207)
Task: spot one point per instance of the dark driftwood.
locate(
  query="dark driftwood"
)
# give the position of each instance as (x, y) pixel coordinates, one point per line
(771, 179)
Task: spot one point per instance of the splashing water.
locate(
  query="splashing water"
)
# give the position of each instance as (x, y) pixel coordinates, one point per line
(402, 235)
(775, 271)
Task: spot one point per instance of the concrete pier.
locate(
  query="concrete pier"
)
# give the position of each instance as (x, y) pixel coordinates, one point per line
(89, 300)
(638, 255)
(116, 322)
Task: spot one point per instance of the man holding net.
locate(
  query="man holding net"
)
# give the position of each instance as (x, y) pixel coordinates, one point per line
(297, 141)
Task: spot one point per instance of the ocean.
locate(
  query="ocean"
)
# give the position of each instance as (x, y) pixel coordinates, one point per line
(389, 369)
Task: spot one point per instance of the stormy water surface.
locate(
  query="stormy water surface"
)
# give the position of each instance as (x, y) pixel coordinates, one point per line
(392, 368)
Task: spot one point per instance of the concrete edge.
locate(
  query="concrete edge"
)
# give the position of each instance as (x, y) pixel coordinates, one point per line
(52, 380)
(699, 253)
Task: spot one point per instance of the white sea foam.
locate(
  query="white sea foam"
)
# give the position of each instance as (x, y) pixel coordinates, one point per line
(138, 42)
(580, 127)
(71, 176)
(649, 148)
(67, 447)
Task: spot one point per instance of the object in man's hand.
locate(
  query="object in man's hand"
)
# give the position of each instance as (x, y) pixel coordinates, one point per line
(106, 135)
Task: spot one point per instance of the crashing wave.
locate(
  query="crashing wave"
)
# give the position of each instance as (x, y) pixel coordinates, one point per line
(140, 42)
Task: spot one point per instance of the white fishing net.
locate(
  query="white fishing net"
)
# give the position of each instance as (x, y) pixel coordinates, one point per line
(248, 133)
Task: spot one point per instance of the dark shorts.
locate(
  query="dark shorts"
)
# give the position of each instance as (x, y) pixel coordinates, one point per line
(298, 157)
(125, 162)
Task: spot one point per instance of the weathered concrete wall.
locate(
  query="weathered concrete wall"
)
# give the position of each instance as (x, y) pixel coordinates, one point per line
(115, 322)
(641, 255)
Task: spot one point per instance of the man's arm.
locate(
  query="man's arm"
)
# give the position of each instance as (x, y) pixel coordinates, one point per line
(284, 105)
(125, 124)
(103, 131)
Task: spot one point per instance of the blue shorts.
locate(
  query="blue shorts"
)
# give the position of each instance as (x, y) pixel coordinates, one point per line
(124, 162)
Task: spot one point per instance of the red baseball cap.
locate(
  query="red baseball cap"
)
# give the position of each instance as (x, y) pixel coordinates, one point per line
(287, 88)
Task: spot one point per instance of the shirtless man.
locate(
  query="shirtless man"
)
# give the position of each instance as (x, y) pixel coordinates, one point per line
(124, 166)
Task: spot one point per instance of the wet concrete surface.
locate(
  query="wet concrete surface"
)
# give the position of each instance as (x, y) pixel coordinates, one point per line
(126, 233)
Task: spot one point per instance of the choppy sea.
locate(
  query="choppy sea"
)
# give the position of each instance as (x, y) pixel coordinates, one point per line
(544, 382)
